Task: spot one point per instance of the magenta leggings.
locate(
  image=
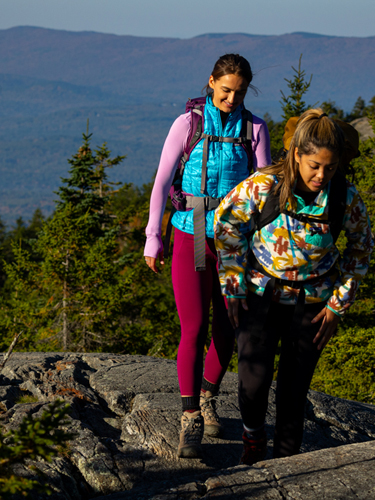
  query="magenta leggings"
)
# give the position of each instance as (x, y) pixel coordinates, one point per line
(193, 293)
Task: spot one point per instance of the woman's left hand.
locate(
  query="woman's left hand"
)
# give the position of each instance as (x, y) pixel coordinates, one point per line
(328, 327)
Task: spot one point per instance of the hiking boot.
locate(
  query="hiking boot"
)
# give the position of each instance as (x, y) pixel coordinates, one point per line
(191, 435)
(254, 450)
(212, 425)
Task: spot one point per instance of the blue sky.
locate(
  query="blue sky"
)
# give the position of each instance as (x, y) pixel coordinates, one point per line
(188, 18)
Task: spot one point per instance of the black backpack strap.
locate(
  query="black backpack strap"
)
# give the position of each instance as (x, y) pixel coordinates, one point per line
(336, 208)
(271, 209)
(247, 133)
(305, 218)
(337, 204)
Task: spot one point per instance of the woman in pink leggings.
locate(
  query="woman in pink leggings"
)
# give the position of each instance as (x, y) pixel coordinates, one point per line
(232, 142)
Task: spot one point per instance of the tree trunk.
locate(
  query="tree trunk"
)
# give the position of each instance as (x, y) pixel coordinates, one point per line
(65, 302)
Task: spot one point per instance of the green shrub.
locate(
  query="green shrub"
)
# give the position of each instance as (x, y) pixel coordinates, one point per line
(347, 366)
(35, 439)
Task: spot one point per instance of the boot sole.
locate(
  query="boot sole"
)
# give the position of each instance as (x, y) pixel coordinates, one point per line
(189, 452)
(213, 431)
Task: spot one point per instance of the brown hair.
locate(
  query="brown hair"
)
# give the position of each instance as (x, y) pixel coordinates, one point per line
(314, 131)
(232, 64)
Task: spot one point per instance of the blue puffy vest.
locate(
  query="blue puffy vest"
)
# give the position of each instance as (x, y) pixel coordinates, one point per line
(227, 165)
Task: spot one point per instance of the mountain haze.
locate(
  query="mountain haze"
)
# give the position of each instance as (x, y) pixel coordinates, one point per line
(132, 88)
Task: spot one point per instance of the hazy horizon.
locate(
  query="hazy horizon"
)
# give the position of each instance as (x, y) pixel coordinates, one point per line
(147, 18)
(186, 38)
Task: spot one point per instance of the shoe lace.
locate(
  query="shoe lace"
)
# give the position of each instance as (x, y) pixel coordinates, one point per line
(208, 407)
(192, 431)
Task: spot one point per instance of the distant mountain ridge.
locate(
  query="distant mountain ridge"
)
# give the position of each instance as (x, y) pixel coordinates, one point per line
(132, 88)
(170, 68)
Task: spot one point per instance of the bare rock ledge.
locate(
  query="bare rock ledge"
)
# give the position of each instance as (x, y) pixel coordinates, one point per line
(125, 411)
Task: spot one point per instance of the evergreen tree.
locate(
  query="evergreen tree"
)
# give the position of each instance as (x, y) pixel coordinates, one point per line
(152, 319)
(3, 235)
(370, 109)
(80, 266)
(35, 438)
(332, 110)
(359, 109)
(293, 104)
(74, 297)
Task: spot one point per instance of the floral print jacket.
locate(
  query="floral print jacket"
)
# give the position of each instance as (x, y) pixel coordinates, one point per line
(290, 249)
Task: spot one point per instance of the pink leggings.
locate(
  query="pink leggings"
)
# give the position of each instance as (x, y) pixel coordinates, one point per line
(193, 294)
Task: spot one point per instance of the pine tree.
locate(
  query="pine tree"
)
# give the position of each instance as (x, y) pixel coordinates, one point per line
(35, 438)
(73, 297)
(80, 265)
(332, 110)
(359, 109)
(293, 105)
(370, 109)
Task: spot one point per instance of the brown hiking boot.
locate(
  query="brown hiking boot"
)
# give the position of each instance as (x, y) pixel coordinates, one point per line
(254, 450)
(212, 425)
(191, 435)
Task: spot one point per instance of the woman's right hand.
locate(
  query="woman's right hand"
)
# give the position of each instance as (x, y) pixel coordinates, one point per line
(151, 262)
(233, 307)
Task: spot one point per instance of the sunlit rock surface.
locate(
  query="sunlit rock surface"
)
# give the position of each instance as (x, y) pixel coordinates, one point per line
(363, 126)
(125, 411)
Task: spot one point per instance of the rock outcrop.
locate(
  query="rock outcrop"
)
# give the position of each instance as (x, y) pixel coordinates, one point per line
(125, 411)
(362, 125)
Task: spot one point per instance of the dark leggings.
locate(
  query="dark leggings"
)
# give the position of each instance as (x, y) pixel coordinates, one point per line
(194, 292)
(298, 359)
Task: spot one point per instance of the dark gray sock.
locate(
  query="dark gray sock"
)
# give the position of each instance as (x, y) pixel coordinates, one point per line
(190, 403)
(207, 386)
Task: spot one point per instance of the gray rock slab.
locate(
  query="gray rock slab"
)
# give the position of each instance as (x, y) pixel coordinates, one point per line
(154, 424)
(341, 473)
(9, 394)
(351, 417)
(363, 126)
(125, 412)
(120, 383)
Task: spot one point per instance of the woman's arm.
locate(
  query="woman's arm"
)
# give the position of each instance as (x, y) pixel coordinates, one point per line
(261, 144)
(173, 149)
(356, 257)
(231, 244)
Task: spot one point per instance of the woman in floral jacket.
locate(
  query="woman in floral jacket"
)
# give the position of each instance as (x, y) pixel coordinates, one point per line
(288, 282)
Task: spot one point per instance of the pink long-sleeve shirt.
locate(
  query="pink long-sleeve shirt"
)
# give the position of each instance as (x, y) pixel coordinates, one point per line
(173, 150)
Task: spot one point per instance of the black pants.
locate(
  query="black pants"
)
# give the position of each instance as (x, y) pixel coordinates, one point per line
(298, 359)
